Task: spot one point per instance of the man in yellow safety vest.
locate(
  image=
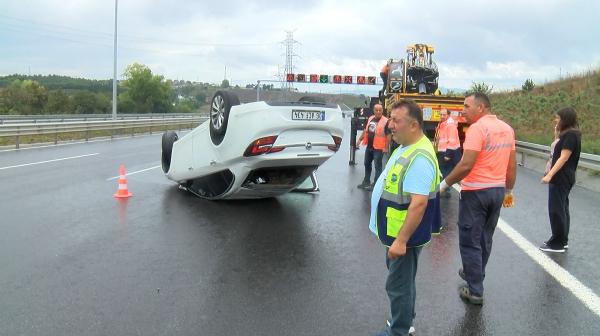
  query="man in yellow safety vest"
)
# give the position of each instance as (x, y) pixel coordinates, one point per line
(405, 209)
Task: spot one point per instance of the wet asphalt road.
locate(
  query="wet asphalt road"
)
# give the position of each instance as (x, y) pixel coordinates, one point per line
(74, 261)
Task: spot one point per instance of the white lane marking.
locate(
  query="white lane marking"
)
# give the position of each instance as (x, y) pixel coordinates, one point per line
(132, 173)
(33, 146)
(89, 141)
(83, 142)
(47, 161)
(564, 278)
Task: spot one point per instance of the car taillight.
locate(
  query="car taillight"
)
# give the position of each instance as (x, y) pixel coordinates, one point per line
(337, 142)
(263, 146)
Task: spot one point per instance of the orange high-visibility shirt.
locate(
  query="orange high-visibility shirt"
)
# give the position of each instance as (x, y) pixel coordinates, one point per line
(494, 140)
(447, 134)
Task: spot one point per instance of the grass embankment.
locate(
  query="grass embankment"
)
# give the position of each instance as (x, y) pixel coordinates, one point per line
(531, 113)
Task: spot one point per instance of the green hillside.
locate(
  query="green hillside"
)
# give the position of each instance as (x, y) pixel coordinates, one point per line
(531, 113)
(56, 82)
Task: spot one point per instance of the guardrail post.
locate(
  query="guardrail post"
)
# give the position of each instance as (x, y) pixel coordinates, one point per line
(56, 135)
(132, 131)
(112, 133)
(17, 140)
(87, 132)
(522, 163)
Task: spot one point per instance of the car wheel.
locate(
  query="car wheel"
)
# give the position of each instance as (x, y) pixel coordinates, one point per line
(312, 99)
(220, 107)
(168, 139)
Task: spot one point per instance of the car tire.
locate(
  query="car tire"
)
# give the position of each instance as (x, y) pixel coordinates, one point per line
(168, 139)
(312, 99)
(220, 106)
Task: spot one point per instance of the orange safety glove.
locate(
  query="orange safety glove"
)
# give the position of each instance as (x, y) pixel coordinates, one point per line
(508, 199)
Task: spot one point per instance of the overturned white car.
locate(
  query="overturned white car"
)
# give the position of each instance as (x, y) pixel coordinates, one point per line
(253, 150)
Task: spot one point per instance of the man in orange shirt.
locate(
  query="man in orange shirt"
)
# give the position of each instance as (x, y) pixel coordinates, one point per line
(447, 144)
(375, 138)
(488, 173)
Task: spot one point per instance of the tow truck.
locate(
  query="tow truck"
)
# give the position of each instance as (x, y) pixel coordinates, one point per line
(413, 77)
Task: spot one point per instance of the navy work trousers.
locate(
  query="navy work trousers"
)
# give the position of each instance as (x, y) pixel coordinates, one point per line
(478, 213)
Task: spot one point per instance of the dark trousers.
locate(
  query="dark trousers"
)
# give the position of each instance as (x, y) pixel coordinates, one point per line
(402, 290)
(446, 166)
(478, 212)
(370, 156)
(558, 210)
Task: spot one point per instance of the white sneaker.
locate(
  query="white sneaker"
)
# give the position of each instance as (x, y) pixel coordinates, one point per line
(411, 330)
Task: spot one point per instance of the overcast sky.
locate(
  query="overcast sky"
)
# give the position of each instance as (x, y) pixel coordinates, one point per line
(499, 42)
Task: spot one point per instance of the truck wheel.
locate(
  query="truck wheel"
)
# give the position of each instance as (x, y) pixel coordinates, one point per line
(168, 139)
(220, 107)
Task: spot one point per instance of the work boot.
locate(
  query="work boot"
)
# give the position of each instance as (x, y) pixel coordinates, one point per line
(369, 187)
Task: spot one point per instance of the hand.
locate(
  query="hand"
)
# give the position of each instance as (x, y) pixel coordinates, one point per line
(508, 201)
(384, 150)
(397, 250)
(443, 186)
(358, 144)
(546, 179)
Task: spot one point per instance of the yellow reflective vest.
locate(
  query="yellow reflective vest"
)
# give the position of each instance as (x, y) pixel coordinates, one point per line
(393, 203)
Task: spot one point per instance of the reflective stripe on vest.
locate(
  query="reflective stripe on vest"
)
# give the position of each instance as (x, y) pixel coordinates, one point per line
(484, 185)
(379, 140)
(394, 202)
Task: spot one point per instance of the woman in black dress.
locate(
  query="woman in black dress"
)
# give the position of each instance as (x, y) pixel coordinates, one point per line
(561, 178)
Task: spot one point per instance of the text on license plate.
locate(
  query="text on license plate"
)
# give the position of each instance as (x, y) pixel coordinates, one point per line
(308, 115)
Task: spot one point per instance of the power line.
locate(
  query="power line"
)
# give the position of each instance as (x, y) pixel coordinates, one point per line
(104, 42)
(63, 30)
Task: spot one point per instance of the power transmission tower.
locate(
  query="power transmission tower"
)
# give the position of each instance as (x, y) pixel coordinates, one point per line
(289, 60)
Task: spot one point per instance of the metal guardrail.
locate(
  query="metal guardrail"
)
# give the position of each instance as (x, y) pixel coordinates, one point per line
(588, 161)
(12, 119)
(19, 130)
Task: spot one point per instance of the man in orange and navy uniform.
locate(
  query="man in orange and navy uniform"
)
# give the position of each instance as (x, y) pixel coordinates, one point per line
(447, 143)
(375, 138)
(487, 172)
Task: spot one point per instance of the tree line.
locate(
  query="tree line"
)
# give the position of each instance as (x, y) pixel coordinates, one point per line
(141, 91)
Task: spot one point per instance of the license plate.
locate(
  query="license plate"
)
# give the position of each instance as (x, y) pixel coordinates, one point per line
(308, 115)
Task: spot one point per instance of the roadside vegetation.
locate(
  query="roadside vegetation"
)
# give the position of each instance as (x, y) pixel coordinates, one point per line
(531, 110)
(141, 91)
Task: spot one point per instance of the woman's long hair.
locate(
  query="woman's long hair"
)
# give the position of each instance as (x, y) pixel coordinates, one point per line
(568, 119)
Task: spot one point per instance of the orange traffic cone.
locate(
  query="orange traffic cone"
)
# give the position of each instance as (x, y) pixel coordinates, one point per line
(122, 192)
